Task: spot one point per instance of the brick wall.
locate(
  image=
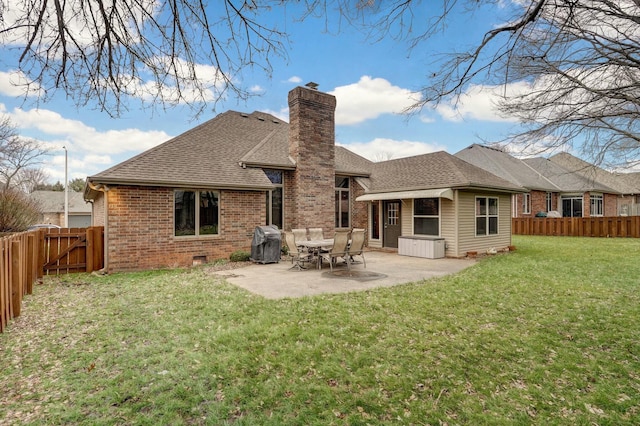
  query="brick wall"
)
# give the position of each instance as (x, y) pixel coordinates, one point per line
(140, 228)
(312, 146)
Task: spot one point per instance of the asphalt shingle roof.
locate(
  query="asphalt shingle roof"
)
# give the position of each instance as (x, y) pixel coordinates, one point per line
(431, 171)
(53, 201)
(565, 179)
(506, 166)
(229, 150)
(617, 181)
(213, 154)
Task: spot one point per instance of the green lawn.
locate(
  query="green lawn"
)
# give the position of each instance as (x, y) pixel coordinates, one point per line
(548, 334)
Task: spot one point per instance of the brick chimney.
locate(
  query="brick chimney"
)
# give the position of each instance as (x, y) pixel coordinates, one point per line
(312, 146)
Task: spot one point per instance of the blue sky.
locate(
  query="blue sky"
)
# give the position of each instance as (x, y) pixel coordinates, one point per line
(372, 81)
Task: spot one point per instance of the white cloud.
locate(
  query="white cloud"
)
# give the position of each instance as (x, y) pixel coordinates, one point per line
(478, 102)
(14, 83)
(282, 114)
(380, 149)
(78, 136)
(370, 98)
(295, 79)
(256, 89)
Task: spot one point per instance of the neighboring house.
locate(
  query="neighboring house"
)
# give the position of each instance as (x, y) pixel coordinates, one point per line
(580, 196)
(542, 194)
(623, 183)
(51, 204)
(200, 195)
(550, 186)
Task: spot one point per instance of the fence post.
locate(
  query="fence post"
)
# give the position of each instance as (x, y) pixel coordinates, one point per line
(16, 282)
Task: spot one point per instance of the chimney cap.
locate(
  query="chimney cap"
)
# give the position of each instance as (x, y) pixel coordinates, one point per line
(312, 85)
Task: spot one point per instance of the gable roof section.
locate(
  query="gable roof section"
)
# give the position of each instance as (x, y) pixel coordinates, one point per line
(432, 171)
(618, 182)
(565, 179)
(224, 152)
(206, 156)
(349, 163)
(507, 167)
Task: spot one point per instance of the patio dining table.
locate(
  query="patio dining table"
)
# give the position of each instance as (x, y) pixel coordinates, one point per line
(316, 246)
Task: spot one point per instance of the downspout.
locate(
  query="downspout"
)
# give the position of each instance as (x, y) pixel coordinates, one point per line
(104, 189)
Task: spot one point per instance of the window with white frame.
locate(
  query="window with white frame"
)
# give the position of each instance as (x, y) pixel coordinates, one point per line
(486, 216)
(196, 213)
(549, 201)
(426, 216)
(526, 203)
(571, 205)
(597, 204)
(342, 202)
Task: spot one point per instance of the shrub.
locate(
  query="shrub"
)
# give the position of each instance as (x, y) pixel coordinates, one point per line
(17, 211)
(240, 256)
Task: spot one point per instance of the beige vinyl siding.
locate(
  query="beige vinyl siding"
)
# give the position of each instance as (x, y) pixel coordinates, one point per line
(468, 241)
(406, 217)
(448, 226)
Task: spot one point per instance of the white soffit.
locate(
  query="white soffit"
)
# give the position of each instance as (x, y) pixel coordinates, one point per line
(401, 195)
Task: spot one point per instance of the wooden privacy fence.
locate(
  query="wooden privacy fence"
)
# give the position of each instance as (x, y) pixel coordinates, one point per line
(611, 226)
(27, 256)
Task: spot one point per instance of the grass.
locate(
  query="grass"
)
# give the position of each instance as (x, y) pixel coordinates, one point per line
(548, 334)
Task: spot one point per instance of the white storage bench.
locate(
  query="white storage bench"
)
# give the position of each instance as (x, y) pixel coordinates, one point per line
(421, 246)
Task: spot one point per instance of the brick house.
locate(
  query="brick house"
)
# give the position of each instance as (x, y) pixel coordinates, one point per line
(627, 201)
(200, 195)
(551, 187)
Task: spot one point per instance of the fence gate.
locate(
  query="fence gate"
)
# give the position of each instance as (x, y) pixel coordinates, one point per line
(69, 250)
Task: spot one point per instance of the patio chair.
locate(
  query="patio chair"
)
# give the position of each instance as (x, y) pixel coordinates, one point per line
(300, 234)
(300, 256)
(339, 249)
(316, 234)
(356, 248)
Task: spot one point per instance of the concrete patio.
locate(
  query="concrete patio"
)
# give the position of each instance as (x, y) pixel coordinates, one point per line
(278, 281)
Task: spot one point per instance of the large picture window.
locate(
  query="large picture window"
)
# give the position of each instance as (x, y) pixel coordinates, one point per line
(426, 216)
(486, 216)
(196, 213)
(342, 202)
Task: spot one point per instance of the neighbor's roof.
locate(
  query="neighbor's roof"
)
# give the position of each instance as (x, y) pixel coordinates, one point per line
(617, 181)
(53, 202)
(440, 170)
(507, 167)
(565, 179)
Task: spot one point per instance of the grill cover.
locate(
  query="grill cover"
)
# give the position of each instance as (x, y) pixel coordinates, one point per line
(266, 244)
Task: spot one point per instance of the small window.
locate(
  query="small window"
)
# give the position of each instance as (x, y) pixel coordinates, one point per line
(196, 213)
(549, 201)
(486, 216)
(426, 216)
(597, 204)
(526, 203)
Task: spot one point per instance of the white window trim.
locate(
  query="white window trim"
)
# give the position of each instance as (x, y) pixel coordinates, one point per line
(487, 216)
(593, 197)
(526, 203)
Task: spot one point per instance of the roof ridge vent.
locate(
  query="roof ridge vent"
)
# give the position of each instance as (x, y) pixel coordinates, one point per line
(244, 114)
(260, 118)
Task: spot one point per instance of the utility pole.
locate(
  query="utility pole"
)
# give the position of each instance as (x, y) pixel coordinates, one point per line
(66, 190)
